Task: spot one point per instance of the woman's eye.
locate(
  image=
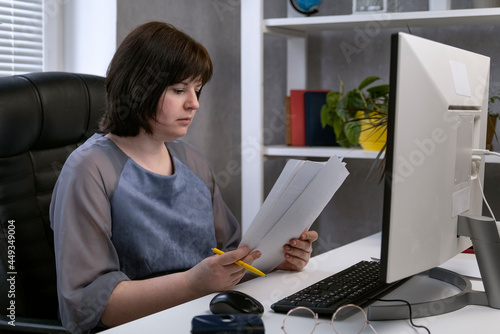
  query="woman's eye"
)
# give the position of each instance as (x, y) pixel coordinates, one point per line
(179, 91)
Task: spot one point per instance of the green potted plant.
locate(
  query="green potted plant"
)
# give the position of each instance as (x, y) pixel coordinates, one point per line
(492, 122)
(358, 116)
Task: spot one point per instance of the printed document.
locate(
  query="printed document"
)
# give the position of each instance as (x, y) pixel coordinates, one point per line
(299, 195)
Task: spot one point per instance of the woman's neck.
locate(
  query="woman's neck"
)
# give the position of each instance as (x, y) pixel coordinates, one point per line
(149, 153)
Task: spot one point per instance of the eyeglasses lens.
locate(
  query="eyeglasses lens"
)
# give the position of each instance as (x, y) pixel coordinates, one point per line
(349, 319)
(300, 321)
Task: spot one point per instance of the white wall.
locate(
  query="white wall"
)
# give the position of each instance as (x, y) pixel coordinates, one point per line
(89, 40)
(53, 35)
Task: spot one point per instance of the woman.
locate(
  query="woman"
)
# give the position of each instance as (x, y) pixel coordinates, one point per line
(136, 212)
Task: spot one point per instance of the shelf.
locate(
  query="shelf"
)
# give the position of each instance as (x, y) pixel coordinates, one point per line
(317, 152)
(300, 25)
(283, 151)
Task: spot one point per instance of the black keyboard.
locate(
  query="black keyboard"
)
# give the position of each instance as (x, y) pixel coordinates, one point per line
(358, 284)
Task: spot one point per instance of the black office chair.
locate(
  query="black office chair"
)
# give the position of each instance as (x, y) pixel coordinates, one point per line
(43, 117)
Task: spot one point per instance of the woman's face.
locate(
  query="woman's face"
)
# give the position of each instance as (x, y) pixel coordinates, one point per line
(176, 110)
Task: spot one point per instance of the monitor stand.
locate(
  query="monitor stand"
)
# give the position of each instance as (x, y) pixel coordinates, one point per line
(485, 238)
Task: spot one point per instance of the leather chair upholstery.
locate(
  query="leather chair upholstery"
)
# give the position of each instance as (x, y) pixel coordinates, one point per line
(43, 117)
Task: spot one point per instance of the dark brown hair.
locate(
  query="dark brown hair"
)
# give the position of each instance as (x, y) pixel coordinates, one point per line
(152, 57)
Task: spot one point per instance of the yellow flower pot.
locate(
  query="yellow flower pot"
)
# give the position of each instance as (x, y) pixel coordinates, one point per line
(372, 137)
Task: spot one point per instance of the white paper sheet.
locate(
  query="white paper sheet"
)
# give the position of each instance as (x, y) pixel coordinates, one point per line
(296, 200)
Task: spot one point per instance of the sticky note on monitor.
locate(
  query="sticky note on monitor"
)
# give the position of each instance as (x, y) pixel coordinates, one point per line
(460, 78)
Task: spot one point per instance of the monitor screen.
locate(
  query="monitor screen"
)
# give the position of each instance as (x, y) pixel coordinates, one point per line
(437, 115)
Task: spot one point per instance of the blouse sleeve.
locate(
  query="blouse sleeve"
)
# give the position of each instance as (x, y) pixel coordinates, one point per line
(86, 261)
(227, 227)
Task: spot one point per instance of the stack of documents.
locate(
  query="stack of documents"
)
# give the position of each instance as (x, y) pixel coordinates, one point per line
(299, 195)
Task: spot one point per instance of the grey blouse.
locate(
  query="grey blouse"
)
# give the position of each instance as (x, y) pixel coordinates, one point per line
(114, 221)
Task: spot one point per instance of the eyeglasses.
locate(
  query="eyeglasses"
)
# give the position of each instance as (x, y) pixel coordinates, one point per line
(349, 318)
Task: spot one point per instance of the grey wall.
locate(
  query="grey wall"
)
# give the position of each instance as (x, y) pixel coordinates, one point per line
(356, 209)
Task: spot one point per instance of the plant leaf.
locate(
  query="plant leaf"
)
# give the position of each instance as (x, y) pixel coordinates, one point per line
(332, 99)
(326, 118)
(354, 102)
(352, 131)
(368, 81)
(341, 110)
(341, 88)
(378, 91)
(338, 126)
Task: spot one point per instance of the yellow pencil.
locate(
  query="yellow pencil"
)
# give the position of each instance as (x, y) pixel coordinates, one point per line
(241, 263)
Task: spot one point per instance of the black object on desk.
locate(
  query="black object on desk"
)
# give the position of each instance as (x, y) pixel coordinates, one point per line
(227, 324)
(235, 302)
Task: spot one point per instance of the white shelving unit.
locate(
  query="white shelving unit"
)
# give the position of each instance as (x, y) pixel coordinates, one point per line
(295, 29)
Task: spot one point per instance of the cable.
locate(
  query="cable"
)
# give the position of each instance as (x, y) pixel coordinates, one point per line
(484, 152)
(484, 199)
(409, 309)
(477, 152)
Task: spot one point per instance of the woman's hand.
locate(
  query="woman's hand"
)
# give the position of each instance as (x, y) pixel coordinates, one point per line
(298, 251)
(131, 300)
(219, 272)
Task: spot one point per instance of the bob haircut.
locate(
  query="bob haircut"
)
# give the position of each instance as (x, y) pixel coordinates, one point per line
(152, 57)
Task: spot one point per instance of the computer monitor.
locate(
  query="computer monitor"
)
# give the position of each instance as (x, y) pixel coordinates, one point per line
(437, 116)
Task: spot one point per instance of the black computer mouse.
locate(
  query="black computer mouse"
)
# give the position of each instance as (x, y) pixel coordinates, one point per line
(235, 302)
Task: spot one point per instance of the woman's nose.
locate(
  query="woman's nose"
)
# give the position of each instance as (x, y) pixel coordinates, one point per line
(192, 101)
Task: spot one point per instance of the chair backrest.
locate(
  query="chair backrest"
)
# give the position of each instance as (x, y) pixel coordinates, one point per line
(43, 117)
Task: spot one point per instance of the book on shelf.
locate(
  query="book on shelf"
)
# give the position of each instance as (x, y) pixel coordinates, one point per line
(297, 198)
(315, 133)
(288, 132)
(304, 126)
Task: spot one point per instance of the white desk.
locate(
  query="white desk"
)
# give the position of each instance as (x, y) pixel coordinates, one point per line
(471, 319)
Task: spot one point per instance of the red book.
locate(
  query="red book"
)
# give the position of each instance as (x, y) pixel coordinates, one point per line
(469, 250)
(297, 116)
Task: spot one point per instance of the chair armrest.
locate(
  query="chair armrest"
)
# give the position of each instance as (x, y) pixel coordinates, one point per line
(31, 325)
